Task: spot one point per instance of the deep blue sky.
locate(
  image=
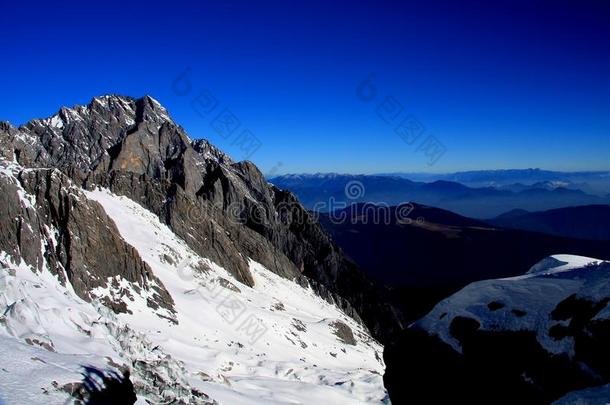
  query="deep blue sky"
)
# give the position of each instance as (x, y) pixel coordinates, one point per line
(507, 84)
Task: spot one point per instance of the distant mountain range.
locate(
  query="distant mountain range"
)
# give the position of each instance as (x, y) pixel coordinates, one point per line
(592, 182)
(326, 192)
(585, 222)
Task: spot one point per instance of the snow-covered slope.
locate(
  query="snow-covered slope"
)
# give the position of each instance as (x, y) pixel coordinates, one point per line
(48, 332)
(275, 342)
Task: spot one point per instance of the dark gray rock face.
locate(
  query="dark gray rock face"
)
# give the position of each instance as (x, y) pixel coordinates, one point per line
(46, 220)
(225, 211)
(343, 333)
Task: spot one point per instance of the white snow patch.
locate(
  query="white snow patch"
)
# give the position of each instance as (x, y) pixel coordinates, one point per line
(559, 263)
(56, 122)
(11, 171)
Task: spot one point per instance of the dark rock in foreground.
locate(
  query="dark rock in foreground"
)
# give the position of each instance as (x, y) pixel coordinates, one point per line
(548, 339)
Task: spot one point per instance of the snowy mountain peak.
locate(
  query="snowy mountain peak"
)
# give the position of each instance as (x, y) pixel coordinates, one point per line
(104, 109)
(152, 251)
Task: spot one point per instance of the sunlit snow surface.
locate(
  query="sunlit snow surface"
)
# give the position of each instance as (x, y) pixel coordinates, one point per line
(560, 263)
(273, 343)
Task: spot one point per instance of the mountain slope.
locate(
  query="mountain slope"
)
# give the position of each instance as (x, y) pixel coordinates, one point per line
(207, 346)
(399, 252)
(147, 235)
(425, 253)
(587, 222)
(224, 211)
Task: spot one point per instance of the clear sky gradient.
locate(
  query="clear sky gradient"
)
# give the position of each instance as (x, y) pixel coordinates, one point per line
(500, 84)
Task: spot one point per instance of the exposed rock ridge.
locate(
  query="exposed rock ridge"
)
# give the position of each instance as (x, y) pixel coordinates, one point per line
(48, 222)
(224, 210)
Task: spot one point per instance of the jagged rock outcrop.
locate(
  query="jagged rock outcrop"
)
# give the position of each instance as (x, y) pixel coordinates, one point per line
(47, 221)
(225, 211)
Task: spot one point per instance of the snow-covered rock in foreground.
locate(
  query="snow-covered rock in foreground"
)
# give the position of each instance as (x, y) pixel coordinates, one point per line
(589, 396)
(531, 338)
(274, 343)
(524, 302)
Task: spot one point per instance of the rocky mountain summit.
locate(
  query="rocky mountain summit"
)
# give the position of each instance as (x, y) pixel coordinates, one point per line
(68, 182)
(224, 210)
